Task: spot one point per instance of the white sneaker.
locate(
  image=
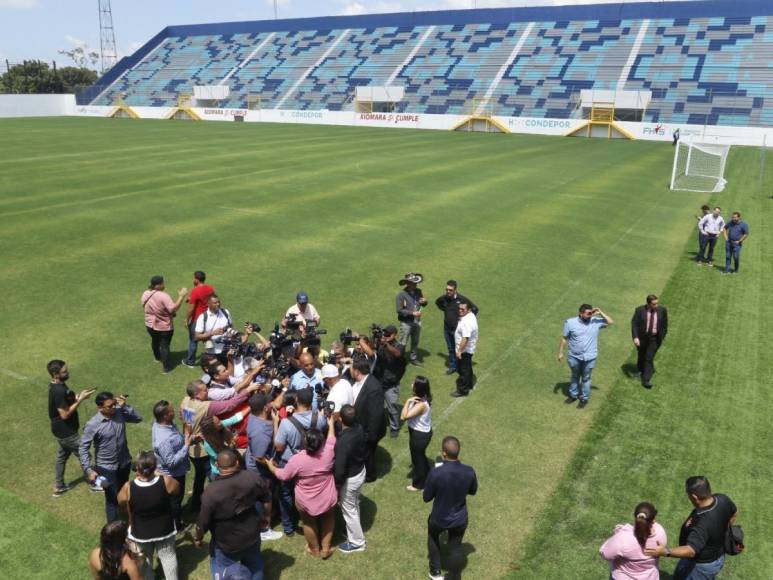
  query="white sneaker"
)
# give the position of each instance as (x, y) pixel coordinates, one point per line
(270, 535)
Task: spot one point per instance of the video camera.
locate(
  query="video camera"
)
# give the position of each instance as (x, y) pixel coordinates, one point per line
(347, 337)
(312, 332)
(377, 332)
(292, 321)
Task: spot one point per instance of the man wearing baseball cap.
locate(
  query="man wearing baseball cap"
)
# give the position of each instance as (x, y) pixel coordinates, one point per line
(339, 389)
(302, 312)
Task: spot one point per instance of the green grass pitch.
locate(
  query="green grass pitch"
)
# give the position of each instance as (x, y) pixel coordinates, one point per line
(530, 226)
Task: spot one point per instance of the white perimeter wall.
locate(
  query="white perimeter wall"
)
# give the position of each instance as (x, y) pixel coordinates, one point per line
(36, 105)
(754, 136)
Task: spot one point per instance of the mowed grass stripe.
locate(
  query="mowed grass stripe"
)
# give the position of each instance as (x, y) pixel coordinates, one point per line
(352, 273)
(706, 414)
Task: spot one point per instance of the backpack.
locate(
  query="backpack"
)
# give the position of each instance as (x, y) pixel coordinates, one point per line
(303, 430)
(734, 540)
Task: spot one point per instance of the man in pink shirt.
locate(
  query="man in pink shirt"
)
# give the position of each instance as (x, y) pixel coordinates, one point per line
(159, 312)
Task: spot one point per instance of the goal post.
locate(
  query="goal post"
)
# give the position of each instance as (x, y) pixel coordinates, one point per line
(699, 167)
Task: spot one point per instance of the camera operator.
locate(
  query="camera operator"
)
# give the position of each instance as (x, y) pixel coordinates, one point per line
(308, 377)
(242, 356)
(339, 390)
(389, 369)
(212, 324)
(300, 313)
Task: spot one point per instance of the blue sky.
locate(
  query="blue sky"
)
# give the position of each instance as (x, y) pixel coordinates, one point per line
(37, 29)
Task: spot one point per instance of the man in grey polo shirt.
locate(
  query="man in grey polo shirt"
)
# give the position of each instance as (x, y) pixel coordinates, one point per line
(581, 333)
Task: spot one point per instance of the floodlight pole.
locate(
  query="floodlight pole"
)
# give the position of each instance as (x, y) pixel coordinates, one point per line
(107, 48)
(275, 11)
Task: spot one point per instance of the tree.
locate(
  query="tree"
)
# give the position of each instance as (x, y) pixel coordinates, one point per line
(75, 80)
(82, 56)
(32, 76)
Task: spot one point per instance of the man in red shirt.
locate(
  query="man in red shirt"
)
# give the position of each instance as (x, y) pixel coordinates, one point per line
(197, 304)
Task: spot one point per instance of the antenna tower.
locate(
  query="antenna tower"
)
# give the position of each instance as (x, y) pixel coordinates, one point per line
(107, 48)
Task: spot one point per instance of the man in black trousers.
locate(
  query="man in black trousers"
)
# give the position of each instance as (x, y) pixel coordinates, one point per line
(369, 410)
(649, 327)
(448, 485)
(448, 304)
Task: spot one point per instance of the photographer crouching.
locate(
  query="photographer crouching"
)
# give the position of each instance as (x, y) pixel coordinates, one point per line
(389, 369)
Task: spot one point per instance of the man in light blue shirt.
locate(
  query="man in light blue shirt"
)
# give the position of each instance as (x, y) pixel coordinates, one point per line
(309, 377)
(581, 333)
(171, 450)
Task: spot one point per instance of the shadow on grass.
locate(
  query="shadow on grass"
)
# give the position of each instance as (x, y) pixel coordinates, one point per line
(630, 370)
(274, 563)
(563, 388)
(465, 549)
(188, 558)
(383, 462)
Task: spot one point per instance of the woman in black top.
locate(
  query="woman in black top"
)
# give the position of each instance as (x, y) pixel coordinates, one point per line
(151, 523)
(112, 560)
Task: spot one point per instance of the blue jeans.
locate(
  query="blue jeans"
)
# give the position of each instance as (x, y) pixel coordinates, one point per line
(701, 246)
(115, 481)
(193, 345)
(691, 570)
(732, 251)
(708, 243)
(287, 509)
(451, 344)
(581, 372)
(249, 557)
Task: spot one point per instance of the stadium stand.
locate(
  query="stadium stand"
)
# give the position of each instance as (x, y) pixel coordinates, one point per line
(706, 62)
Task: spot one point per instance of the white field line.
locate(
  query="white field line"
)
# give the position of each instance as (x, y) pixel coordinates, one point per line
(501, 359)
(15, 375)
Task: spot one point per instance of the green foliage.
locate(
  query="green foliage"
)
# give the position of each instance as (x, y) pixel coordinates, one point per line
(530, 226)
(35, 77)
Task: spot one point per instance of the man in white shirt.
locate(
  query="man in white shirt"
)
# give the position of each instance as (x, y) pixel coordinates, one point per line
(212, 324)
(302, 312)
(710, 226)
(466, 339)
(340, 390)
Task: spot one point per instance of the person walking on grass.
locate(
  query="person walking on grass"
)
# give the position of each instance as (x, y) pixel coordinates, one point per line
(417, 411)
(448, 487)
(581, 333)
(624, 550)
(160, 310)
(736, 232)
(63, 411)
(649, 326)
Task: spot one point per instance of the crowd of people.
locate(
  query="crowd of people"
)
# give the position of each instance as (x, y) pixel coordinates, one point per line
(276, 429)
(284, 430)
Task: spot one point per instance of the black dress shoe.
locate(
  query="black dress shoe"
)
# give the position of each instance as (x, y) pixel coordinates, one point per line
(451, 371)
(458, 394)
(647, 385)
(583, 404)
(570, 400)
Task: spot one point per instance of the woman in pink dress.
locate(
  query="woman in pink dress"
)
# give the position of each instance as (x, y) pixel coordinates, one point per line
(625, 549)
(315, 490)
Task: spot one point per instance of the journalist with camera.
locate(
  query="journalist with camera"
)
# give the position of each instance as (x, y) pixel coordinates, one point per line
(211, 326)
(389, 368)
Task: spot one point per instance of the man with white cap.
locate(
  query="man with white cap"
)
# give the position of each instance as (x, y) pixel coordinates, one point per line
(409, 303)
(339, 389)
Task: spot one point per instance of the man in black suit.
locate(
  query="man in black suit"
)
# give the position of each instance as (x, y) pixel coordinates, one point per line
(649, 327)
(369, 410)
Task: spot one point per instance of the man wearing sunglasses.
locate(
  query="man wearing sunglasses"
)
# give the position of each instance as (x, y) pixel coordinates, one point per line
(106, 431)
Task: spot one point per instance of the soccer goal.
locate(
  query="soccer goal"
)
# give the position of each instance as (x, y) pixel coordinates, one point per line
(699, 167)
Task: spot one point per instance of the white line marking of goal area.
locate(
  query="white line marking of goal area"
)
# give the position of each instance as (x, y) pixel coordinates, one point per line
(515, 345)
(15, 375)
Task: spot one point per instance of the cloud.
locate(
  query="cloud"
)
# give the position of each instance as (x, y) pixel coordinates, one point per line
(73, 40)
(19, 4)
(352, 7)
(133, 47)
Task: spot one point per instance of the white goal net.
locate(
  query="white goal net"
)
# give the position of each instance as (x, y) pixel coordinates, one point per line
(699, 167)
